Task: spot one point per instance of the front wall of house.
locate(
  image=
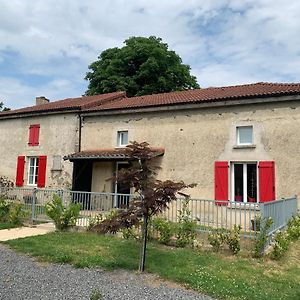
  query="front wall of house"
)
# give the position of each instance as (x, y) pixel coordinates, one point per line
(58, 136)
(195, 139)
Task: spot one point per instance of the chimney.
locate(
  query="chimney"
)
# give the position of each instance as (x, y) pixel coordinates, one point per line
(41, 100)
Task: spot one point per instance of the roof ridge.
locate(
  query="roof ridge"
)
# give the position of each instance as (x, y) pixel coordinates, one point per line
(99, 102)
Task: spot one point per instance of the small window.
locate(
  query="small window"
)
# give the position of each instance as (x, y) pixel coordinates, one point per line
(245, 135)
(122, 138)
(33, 166)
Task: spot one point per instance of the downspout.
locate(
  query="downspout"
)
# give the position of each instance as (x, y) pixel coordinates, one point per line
(79, 132)
(74, 175)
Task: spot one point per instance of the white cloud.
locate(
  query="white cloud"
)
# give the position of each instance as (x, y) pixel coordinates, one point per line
(225, 42)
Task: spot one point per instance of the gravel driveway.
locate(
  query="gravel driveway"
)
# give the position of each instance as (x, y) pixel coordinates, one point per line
(21, 277)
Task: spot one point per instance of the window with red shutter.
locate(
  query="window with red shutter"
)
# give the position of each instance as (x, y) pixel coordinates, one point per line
(41, 180)
(266, 181)
(34, 135)
(221, 181)
(20, 171)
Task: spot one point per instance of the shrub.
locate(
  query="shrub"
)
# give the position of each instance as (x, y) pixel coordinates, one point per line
(233, 239)
(293, 228)
(282, 239)
(165, 229)
(4, 210)
(95, 221)
(217, 239)
(262, 237)
(16, 214)
(63, 217)
(185, 229)
(281, 244)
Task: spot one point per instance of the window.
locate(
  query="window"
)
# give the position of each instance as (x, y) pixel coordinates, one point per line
(244, 135)
(244, 182)
(33, 167)
(248, 181)
(122, 138)
(34, 134)
(36, 167)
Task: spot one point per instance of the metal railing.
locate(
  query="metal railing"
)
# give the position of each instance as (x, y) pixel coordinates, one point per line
(91, 204)
(209, 215)
(280, 211)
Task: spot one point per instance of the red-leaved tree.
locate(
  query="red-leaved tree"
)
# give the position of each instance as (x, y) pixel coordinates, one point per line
(153, 195)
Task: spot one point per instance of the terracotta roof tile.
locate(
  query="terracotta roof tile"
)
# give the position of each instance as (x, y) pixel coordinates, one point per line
(212, 94)
(108, 154)
(80, 103)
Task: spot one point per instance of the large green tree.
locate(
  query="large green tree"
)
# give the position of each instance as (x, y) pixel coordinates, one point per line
(143, 66)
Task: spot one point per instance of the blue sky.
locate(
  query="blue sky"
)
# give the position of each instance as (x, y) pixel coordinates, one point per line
(47, 45)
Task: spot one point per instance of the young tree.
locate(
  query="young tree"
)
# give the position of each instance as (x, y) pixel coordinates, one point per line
(143, 66)
(153, 195)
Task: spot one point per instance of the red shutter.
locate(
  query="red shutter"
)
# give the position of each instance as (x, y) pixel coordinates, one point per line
(34, 135)
(42, 171)
(221, 181)
(20, 171)
(266, 181)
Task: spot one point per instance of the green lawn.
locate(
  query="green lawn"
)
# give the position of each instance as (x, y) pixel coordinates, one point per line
(6, 225)
(219, 275)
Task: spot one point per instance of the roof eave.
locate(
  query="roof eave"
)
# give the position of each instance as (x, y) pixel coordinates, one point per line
(194, 105)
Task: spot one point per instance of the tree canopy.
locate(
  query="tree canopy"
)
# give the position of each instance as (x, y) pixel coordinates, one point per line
(143, 66)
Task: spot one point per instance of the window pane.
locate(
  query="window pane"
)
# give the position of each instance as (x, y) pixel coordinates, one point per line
(238, 182)
(251, 183)
(123, 138)
(33, 170)
(245, 135)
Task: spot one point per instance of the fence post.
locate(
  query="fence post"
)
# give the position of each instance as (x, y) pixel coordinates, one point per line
(33, 204)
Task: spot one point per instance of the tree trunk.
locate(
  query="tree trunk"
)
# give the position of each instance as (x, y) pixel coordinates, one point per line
(144, 244)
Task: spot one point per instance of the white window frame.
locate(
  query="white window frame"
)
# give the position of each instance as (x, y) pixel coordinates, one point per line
(119, 138)
(35, 165)
(238, 142)
(232, 182)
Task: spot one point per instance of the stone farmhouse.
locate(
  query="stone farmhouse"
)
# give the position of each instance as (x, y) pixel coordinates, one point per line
(239, 143)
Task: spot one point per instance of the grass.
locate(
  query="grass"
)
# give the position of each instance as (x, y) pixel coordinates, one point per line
(219, 275)
(7, 225)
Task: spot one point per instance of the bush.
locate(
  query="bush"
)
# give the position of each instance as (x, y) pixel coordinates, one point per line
(282, 239)
(12, 212)
(217, 239)
(165, 229)
(262, 237)
(4, 210)
(16, 214)
(233, 239)
(185, 229)
(63, 217)
(281, 244)
(95, 221)
(293, 228)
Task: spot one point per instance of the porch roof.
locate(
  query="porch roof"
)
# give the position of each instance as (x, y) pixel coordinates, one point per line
(108, 154)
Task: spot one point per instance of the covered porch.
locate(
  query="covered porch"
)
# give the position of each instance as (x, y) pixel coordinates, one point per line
(93, 171)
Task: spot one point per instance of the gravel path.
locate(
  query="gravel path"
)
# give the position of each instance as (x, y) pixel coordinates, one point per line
(21, 277)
